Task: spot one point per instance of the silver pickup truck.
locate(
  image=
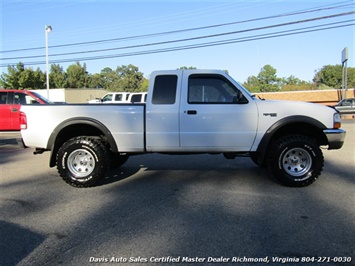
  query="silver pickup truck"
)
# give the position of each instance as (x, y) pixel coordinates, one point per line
(187, 111)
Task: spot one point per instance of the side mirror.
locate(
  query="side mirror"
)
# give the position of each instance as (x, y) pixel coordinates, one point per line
(239, 98)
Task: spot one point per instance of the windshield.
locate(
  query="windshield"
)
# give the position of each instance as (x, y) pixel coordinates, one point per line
(41, 97)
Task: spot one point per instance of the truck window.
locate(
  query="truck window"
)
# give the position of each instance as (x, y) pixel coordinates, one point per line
(164, 91)
(107, 98)
(3, 97)
(136, 98)
(24, 99)
(118, 97)
(211, 89)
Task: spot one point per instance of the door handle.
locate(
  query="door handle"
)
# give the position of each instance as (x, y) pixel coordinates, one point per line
(191, 112)
(14, 110)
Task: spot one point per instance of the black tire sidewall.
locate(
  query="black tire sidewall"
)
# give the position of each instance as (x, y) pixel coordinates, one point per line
(94, 147)
(283, 146)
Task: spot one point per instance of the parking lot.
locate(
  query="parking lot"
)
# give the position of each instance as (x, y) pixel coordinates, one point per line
(160, 209)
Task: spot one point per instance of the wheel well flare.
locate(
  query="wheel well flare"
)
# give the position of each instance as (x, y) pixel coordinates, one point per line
(78, 127)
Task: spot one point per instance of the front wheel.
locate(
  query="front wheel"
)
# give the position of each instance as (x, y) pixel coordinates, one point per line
(82, 161)
(296, 160)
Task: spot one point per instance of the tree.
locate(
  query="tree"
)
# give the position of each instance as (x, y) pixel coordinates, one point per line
(109, 79)
(22, 78)
(10, 80)
(144, 85)
(57, 77)
(77, 76)
(39, 79)
(252, 84)
(266, 81)
(331, 76)
(129, 78)
(295, 84)
(95, 81)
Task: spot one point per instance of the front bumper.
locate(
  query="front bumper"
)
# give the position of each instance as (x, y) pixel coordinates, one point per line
(335, 138)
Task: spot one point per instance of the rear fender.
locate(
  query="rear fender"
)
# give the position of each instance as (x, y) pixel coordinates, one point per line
(74, 127)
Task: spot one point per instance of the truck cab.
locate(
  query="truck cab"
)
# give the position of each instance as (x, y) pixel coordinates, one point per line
(209, 114)
(10, 104)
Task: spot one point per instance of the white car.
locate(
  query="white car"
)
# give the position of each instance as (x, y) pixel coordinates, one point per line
(113, 97)
(346, 106)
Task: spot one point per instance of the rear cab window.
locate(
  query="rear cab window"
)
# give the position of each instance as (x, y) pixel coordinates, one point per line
(164, 91)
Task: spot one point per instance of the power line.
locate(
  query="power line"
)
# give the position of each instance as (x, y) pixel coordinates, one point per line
(326, 7)
(190, 39)
(195, 46)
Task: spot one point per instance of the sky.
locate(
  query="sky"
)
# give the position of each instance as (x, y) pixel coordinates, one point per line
(238, 36)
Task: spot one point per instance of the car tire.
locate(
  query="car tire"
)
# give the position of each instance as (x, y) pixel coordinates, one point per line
(296, 160)
(82, 161)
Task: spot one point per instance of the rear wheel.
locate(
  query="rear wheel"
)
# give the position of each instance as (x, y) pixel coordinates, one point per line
(296, 160)
(82, 161)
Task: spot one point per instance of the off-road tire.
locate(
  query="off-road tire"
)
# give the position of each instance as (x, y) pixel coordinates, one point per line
(82, 161)
(296, 160)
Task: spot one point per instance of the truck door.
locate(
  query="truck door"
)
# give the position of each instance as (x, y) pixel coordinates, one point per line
(215, 116)
(162, 112)
(5, 111)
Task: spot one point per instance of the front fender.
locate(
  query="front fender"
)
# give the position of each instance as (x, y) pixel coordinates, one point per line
(290, 125)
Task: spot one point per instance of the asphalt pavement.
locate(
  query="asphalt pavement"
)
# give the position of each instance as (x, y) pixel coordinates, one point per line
(164, 210)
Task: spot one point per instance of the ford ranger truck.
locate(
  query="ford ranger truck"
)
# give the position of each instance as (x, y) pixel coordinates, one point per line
(186, 112)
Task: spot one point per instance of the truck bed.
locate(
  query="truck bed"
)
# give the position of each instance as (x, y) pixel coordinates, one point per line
(125, 122)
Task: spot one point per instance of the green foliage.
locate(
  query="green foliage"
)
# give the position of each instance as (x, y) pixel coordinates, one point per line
(77, 76)
(19, 77)
(57, 77)
(129, 78)
(351, 77)
(331, 76)
(265, 81)
(144, 85)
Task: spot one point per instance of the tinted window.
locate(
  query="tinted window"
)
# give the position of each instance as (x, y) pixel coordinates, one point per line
(3, 97)
(164, 89)
(118, 97)
(211, 89)
(136, 98)
(23, 99)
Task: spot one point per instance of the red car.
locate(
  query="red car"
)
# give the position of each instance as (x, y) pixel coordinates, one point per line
(10, 104)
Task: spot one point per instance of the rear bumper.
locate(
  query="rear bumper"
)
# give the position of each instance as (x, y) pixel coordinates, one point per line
(335, 138)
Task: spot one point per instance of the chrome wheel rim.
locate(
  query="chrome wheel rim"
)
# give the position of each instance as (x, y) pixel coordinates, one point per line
(81, 163)
(297, 162)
